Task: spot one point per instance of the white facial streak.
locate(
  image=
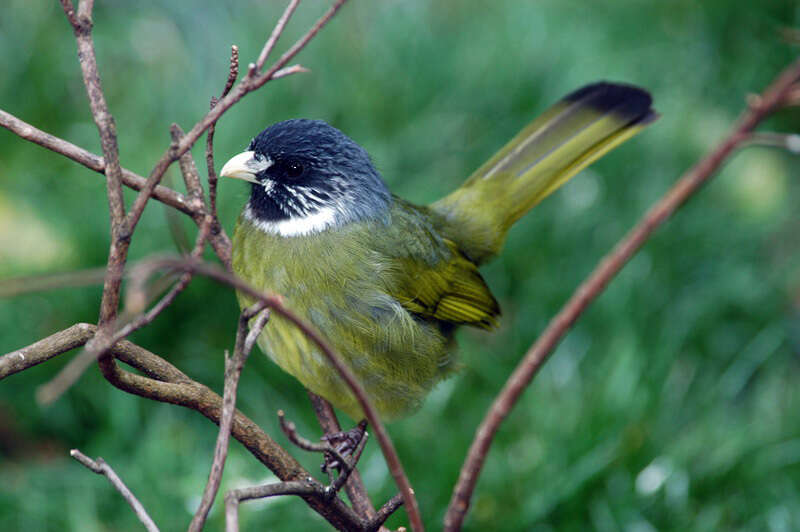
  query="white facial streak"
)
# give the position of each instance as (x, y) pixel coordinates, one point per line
(295, 226)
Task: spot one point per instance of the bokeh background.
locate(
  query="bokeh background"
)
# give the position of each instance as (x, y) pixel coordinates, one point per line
(672, 405)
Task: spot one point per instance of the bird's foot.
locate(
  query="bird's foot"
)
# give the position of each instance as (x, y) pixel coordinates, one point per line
(345, 442)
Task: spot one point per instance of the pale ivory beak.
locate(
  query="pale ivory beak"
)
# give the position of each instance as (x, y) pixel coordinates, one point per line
(245, 166)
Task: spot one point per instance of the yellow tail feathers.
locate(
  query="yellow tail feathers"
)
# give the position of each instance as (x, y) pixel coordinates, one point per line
(566, 138)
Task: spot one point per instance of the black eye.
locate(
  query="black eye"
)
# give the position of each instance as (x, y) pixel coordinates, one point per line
(294, 169)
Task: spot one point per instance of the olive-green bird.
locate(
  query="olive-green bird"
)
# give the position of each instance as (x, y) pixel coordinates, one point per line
(386, 281)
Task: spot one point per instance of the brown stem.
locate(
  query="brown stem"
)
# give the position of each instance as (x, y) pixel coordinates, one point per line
(246, 86)
(273, 38)
(305, 488)
(276, 304)
(45, 349)
(355, 489)
(165, 383)
(71, 372)
(100, 467)
(233, 73)
(233, 370)
(608, 267)
(88, 159)
(384, 512)
(120, 229)
(191, 177)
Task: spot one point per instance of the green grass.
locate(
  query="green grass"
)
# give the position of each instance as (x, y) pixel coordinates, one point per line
(672, 404)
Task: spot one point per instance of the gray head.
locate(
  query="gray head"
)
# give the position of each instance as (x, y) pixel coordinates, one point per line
(308, 176)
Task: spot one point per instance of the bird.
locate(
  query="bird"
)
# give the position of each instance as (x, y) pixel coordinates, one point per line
(385, 281)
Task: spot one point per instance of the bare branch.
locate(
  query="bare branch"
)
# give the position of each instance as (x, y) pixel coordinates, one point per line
(247, 85)
(70, 373)
(276, 304)
(233, 73)
(233, 370)
(191, 177)
(356, 491)
(45, 349)
(88, 159)
(164, 382)
(287, 71)
(307, 488)
(347, 465)
(120, 227)
(100, 467)
(69, 11)
(603, 273)
(273, 38)
(385, 511)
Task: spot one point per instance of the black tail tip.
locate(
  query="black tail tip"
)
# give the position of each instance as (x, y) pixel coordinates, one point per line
(629, 101)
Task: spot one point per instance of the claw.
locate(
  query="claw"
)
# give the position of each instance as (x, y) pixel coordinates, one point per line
(345, 442)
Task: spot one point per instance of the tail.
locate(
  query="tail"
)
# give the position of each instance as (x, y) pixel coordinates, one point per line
(569, 136)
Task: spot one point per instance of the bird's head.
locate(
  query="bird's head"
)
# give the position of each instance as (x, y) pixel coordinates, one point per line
(307, 176)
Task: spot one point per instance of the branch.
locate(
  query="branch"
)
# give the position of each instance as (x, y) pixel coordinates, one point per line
(100, 467)
(233, 73)
(356, 491)
(385, 511)
(45, 349)
(185, 392)
(191, 177)
(233, 370)
(276, 304)
(120, 226)
(347, 466)
(246, 86)
(82, 28)
(88, 159)
(273, 38)
(303, 488)
(165, 383)
(608, 267)
(70, 373)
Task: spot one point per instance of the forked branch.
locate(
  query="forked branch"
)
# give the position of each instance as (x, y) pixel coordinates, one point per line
(759, 108)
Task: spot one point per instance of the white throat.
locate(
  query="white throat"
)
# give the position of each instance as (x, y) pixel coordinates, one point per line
(296, 226)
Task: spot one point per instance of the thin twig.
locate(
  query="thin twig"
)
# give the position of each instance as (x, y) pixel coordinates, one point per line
(191, 177)
(355, 489)
(385, 511)
(120, 228)
(198, 397)
(233, 370)
(45, 349)
(345, 373)
(273, 38)
(246, 86)
(88, 159)
(608, 267)
(290, 429)
(309, 487)
(50, 391)
(233, 73)
(100, 467)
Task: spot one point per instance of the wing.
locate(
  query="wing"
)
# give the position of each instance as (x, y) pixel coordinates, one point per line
(431, 277)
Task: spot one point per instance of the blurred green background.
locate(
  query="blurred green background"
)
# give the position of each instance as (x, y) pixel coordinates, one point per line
(672, 405)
